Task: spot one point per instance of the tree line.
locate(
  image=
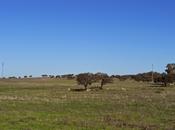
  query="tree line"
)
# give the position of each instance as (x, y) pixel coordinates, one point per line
(87, 79)
(165, 78)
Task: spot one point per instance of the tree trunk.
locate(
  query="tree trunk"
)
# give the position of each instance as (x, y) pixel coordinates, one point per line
(101, 86)
(165, 83)
(85, 86)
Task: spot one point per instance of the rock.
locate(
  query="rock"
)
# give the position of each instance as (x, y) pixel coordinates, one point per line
(64, 97)
(124, 89)
(88, 90)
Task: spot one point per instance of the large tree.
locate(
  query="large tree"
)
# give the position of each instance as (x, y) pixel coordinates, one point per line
(169, 77)
(85, 79)
(103, 78)
(170, 69)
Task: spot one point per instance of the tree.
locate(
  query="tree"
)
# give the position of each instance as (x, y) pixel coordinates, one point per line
(170, 72)
(68, 76)
(51, 76)
(103, 78)
(44, 76)
(164, 79)
(170, 69)
(85, 79)
(58, 76)
(169, 76)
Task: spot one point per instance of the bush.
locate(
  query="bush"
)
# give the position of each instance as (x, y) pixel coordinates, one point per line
(103, 78)
(85, 79)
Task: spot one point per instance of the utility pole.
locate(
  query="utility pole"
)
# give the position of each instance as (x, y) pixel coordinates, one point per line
(2, 72)
(152, 73)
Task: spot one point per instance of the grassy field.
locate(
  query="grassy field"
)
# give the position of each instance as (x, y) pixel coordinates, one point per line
(46, 104)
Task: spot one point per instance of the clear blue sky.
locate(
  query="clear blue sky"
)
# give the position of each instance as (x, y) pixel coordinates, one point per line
(71, 36)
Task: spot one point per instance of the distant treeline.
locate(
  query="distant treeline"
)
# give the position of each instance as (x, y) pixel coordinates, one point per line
(167, 77)
(147, 77)
(66, 76)
(144, 77)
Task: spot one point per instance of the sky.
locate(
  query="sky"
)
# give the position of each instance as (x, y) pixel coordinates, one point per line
(73, 36)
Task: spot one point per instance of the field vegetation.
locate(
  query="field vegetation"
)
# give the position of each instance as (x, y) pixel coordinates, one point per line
(55, 104)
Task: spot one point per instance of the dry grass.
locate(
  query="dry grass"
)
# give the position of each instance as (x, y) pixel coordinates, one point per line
(47, 104)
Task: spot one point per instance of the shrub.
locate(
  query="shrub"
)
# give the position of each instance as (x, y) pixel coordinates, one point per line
(103, 78)
(85, 79)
